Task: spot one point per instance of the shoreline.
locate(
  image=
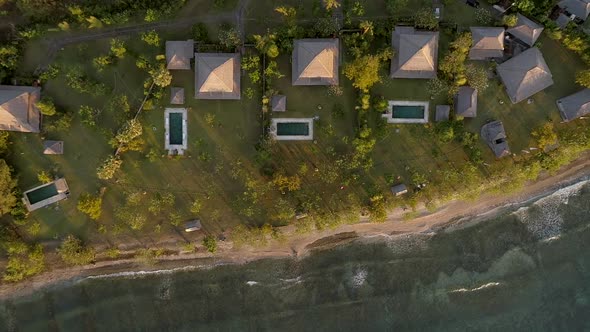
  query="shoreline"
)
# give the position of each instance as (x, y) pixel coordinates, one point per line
(452, 216)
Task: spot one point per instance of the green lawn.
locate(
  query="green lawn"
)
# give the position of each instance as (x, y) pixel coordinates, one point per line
(221, 159)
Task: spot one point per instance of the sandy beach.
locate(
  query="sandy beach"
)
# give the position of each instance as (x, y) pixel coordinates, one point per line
(299, 245)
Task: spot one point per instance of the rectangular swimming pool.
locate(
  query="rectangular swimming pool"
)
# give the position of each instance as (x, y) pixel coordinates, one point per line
(408, 112)
(175, 129)
(292, 129)
(42, 193)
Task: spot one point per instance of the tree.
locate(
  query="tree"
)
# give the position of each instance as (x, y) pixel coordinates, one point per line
(272, 71)
(509, 20)
(161, 76)
(9, 56)
(583, 78)
(394, 6)
(425, 19)
(44, 177)
(545, 136)
(229, 38)
(151, 38)
(525, 6)
(72, 251)
(7, 189)
(39, 9)
(210, 243)
(118, 49)
(326, 27)
(90, 205)
(107, 170)
(127, 136)
(289, 14)
(483, 16)
(46, 106)
(364, 71)
(331, 4)
(23, 261)
(266, 44)
(477, 77)
(101, 62)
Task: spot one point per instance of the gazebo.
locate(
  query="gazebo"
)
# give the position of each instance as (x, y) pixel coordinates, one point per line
(494, 135)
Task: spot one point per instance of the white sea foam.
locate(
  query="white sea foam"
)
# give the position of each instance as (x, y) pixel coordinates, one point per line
(142, 274)
(359, 278)
(484, 286)
(293, 280)
(543, 218)
(251, 283)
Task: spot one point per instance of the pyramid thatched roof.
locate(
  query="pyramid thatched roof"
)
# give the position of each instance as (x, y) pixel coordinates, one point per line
(176, 96)
(466, 102)
(18, 111)
(580, 8)
(495, 136)
(217, 75)
(53, 147)
(179, 54)
(279, 103)
(574, 106)
(526, 30)
(415, 53)
(315, 62)
(488, 42)
(525, 74)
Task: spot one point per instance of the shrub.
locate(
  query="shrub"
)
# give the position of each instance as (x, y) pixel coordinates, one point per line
(46, 106)
(44, 177)
(210, 243)
(23, 262)
(90, 205)
(583, 78)
(229, 38)
(200, 32)
(477, 77)
(72, 251)
(7, 189)
(425, 19)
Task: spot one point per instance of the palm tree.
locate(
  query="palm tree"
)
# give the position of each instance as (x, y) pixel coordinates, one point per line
(331, 4)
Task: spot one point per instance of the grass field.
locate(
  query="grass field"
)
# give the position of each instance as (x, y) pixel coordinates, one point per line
(221, 159)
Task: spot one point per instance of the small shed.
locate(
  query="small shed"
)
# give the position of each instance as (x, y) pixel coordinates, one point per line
(466, 102)
(193, 225)
(176, 96)
(399, 189)
(279, 103)
(53, 147)
(442, 113)
(494, 135)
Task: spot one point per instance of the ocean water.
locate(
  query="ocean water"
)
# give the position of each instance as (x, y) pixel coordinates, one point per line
(527, 269)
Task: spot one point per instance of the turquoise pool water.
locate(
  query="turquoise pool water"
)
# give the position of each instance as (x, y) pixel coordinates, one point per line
(408, 112)
(42, 193)
(175, 128)
(292, 128)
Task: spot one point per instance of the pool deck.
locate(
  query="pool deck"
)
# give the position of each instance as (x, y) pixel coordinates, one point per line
(62, 193)
(175, 148)
(390, 119)
(273, 129)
